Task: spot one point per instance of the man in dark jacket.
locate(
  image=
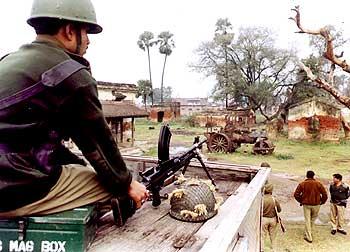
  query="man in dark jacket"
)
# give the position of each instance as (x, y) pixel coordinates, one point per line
(310, 194)
(38, 111)
(339, 194)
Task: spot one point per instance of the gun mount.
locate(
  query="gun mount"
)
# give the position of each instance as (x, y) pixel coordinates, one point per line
(154, 178)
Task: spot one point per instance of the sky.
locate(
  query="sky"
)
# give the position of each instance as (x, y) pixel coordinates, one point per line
(115, 56)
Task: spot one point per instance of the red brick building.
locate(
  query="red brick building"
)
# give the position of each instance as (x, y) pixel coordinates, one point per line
(314, 119)
(165, 112)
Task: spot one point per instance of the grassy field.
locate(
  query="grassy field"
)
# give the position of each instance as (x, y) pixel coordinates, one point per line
(296, 157)
(292, 240)
(292, 157)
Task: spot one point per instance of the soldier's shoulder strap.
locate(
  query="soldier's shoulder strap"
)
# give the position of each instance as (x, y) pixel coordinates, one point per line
(4, 56)
(50, 78)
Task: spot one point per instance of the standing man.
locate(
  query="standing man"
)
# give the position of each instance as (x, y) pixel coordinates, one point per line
(47, 94)
(311, 194)
(339, 194)
(269, 221)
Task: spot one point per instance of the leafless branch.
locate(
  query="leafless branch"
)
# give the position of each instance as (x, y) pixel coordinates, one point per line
(323, 84)
(324, 32)
(331, 75)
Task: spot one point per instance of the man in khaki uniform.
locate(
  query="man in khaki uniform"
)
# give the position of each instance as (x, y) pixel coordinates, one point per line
(269, 221)
(339, 194)
(310, 194)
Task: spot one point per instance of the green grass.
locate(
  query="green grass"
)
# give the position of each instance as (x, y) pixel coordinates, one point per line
(143, 133)
(292, 157)
(293, 240)
(296, 157)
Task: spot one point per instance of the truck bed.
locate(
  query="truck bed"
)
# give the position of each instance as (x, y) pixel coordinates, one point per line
(152, 229)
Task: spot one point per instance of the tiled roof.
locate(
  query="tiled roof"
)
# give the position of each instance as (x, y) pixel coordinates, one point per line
(122, 110)
(117, 86)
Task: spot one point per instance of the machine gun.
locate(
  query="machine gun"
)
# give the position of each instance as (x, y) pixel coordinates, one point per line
(154, 178)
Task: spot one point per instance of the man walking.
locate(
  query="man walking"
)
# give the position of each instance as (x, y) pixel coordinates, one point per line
(339, 194)
(269, 220)
(310, 194)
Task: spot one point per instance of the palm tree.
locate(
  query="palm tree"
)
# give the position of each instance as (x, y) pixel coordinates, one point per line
(223, 37)
(145, 42)
(166, 47)
(144, 89)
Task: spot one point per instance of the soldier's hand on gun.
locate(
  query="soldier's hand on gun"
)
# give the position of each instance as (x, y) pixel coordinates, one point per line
(138, 193)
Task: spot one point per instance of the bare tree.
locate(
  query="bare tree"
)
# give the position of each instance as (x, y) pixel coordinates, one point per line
(329, 54)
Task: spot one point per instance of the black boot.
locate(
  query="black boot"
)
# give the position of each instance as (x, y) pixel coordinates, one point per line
(122, 210)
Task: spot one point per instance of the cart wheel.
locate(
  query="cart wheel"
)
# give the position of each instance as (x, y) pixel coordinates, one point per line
(264, 147)
(219, 143)
(235, 146)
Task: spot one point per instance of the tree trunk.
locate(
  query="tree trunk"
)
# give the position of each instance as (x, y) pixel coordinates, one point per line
(346, 127)
(145, 101)
(150, 73)
(162, 83)
(323, 84)
(226, 78)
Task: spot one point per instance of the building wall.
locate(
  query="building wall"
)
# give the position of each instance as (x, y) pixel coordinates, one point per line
(302, 118)
(345, 112)
(170, 111)
(190, 110)
(215, 120)
(106, 95)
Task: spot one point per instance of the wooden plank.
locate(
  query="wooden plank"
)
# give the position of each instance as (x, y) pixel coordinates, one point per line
(132, 131)
(153, 229)
(219, 242)
(242, 245)
(198, 239)
(209, 164)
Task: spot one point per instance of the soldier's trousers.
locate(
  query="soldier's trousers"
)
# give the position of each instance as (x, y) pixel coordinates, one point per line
(269, 226)
(310, 215)
(77, 186)
(337, 216)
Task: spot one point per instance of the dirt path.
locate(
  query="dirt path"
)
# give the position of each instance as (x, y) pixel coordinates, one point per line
(284, 186)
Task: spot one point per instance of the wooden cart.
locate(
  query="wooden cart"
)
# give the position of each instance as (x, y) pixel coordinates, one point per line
(237, 131)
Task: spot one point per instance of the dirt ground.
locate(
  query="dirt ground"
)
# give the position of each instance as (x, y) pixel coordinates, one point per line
(323, 158)
(284, 186)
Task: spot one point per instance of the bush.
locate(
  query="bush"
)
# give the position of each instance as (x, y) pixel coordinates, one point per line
(281, 156)
(191, 121)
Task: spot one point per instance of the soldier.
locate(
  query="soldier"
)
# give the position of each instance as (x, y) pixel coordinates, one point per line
(339, 194)
(269, 221)
(47, 94)
(310, 194)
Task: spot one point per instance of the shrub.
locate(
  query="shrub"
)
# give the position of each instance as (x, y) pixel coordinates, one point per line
(281, 156)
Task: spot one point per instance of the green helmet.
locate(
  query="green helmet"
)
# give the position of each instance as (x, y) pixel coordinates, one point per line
(73, 10)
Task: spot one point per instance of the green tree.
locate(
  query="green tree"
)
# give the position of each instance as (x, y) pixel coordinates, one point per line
(146, 40)
(250, 70)
(166, 47)
(144, 90)
(167, 94)
(223, 38)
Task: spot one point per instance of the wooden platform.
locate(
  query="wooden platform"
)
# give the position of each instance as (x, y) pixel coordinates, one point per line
(152, 229)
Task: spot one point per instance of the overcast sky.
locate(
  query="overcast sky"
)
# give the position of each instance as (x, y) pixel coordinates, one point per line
(115, 56)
